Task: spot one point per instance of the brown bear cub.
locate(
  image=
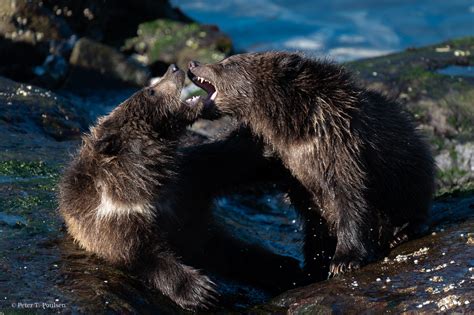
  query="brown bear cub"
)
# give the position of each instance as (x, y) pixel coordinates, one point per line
(364, 175)
(108, 194)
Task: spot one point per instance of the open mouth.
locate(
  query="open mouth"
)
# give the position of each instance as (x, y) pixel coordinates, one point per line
(207, 86)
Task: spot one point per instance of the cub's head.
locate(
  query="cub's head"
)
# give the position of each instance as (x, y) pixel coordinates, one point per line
(155, 112)
(159, 106)
(242, 83)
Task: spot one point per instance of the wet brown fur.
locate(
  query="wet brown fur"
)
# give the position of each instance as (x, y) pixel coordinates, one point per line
(362, 171)
(128, 157)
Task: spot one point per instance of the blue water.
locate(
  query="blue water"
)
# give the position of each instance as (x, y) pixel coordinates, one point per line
(343, 29)
(458, 71)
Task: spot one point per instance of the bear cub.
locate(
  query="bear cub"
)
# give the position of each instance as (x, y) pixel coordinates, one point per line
(364, 177)
(108, 194)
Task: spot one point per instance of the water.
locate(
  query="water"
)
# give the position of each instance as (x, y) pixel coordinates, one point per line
(11, 220)
(458, 71)
(343, 29)
(265, 220)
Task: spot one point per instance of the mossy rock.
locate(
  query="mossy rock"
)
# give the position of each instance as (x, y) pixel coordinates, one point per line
(169, 41)
(442, 103)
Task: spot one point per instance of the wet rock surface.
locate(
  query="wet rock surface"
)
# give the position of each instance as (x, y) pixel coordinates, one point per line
(27, 109)
(39, 263)
(434, 273)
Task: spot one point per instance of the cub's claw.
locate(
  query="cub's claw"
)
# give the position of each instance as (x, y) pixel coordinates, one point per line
(340, 265)
(399, 239)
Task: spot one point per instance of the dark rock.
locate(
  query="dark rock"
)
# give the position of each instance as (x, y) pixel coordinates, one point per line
(94, 63)
(33, 38)
(108, 21)
(111, 21)
(29, 109)
(26, 30)
(51, 73)
(29, 21)
(17, 59)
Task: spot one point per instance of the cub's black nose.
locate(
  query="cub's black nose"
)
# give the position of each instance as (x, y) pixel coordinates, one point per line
(194, 64)
(174, 67)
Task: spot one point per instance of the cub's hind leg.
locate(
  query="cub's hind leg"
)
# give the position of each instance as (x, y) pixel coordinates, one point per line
(183, 284)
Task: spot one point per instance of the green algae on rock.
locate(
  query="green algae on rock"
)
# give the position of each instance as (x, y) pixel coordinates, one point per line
(26, 169)
(171, 41)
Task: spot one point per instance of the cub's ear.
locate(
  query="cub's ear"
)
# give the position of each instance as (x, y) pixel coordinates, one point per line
(108, 144)
(291, 65)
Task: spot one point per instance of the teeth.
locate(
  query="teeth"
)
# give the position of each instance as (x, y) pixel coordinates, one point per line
(192, 99)
(202, 80)
(214, 95)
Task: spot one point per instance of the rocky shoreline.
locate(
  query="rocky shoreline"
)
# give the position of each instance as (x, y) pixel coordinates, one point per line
(51, 90)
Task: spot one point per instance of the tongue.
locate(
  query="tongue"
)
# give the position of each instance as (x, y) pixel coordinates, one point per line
(207, 87)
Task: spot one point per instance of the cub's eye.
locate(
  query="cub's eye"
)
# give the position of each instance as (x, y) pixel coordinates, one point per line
(151, 92)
